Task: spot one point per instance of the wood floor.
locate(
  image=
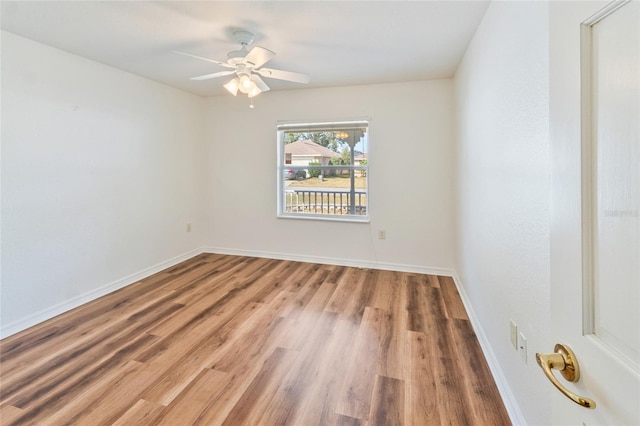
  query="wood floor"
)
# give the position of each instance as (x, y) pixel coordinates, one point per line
(248, 341)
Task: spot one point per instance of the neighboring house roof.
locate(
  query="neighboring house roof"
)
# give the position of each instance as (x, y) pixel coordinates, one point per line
(361, 156)
(308, 149)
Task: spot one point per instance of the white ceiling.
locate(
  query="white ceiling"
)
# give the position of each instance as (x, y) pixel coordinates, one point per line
(336, 42)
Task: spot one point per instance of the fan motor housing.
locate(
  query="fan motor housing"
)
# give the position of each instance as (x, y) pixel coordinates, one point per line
(236, 56)
(243, 37)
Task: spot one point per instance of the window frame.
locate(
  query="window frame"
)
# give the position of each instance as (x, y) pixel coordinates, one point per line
(300, 127)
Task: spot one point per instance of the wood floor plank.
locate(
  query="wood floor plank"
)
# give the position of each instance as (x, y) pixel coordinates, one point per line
(336, 274)
(387, 405)
(453, 303)
(211, 310)
(301, 276)
(317, 405)
(433, 281)
(9, 413)
(103, 352)
(320, 298)
(287, 401)
(204, 345)
(348, 421)
(425, 305)
(362, 295)
(301, 320)
(242, 370)
(198, 282)
(346, 285)
(222, 402)
(451, 399)
(258, 335)
(355, 397)
(387, 291)
(256, 398)
(188, 407)
(304, 295)
(391, 354)
(390, 335)
(482, 393)
(422, 406)
(142, 413)
(63, 389)
(87, 318)
(66, 333)
(279, 278)
(182, 320)
(247, 340)
(124, 322)
(101, 402)
(176, 369)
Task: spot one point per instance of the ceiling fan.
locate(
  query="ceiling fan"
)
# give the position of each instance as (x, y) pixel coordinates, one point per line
(247, 67)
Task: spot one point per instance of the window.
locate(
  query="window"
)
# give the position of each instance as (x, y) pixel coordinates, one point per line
(323, 170)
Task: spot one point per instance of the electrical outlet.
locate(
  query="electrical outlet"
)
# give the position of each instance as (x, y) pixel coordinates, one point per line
(522, 347)
(382, 234)
(188, 227)
(514, 334)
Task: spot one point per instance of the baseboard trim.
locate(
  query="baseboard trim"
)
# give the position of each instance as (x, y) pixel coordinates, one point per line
(510, 403)
(357, 263)
(53, 311)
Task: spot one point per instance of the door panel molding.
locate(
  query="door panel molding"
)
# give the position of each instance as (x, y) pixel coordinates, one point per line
(589, 188)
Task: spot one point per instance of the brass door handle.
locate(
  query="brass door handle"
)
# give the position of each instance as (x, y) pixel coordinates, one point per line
(564, 360)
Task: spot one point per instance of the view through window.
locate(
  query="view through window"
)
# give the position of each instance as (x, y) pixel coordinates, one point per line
(323, 170)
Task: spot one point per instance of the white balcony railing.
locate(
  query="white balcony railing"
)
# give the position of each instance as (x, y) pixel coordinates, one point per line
(334, 201)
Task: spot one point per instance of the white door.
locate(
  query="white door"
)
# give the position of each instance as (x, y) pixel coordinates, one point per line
(595, 231)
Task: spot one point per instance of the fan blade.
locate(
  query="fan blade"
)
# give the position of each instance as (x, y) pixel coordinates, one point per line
(258, 56)
(284, 75)
(214, 75)
(224, 64)
(259, 82)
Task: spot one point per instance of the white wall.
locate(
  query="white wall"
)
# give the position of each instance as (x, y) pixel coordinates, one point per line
(410, 178)
(101, 172)
(503, 190)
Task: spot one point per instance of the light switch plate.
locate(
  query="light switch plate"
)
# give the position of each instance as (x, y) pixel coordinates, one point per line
(514, 334)
(522, 347)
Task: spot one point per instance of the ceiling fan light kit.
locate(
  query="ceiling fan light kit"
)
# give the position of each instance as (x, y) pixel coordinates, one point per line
(232, 86)
(246, 65)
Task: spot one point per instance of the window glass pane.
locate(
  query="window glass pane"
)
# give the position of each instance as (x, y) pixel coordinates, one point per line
(324, 171)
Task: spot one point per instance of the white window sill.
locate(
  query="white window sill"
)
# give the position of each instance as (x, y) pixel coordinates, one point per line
(341, 218)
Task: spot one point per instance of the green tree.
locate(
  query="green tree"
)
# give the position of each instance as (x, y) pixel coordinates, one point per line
(345, 155)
